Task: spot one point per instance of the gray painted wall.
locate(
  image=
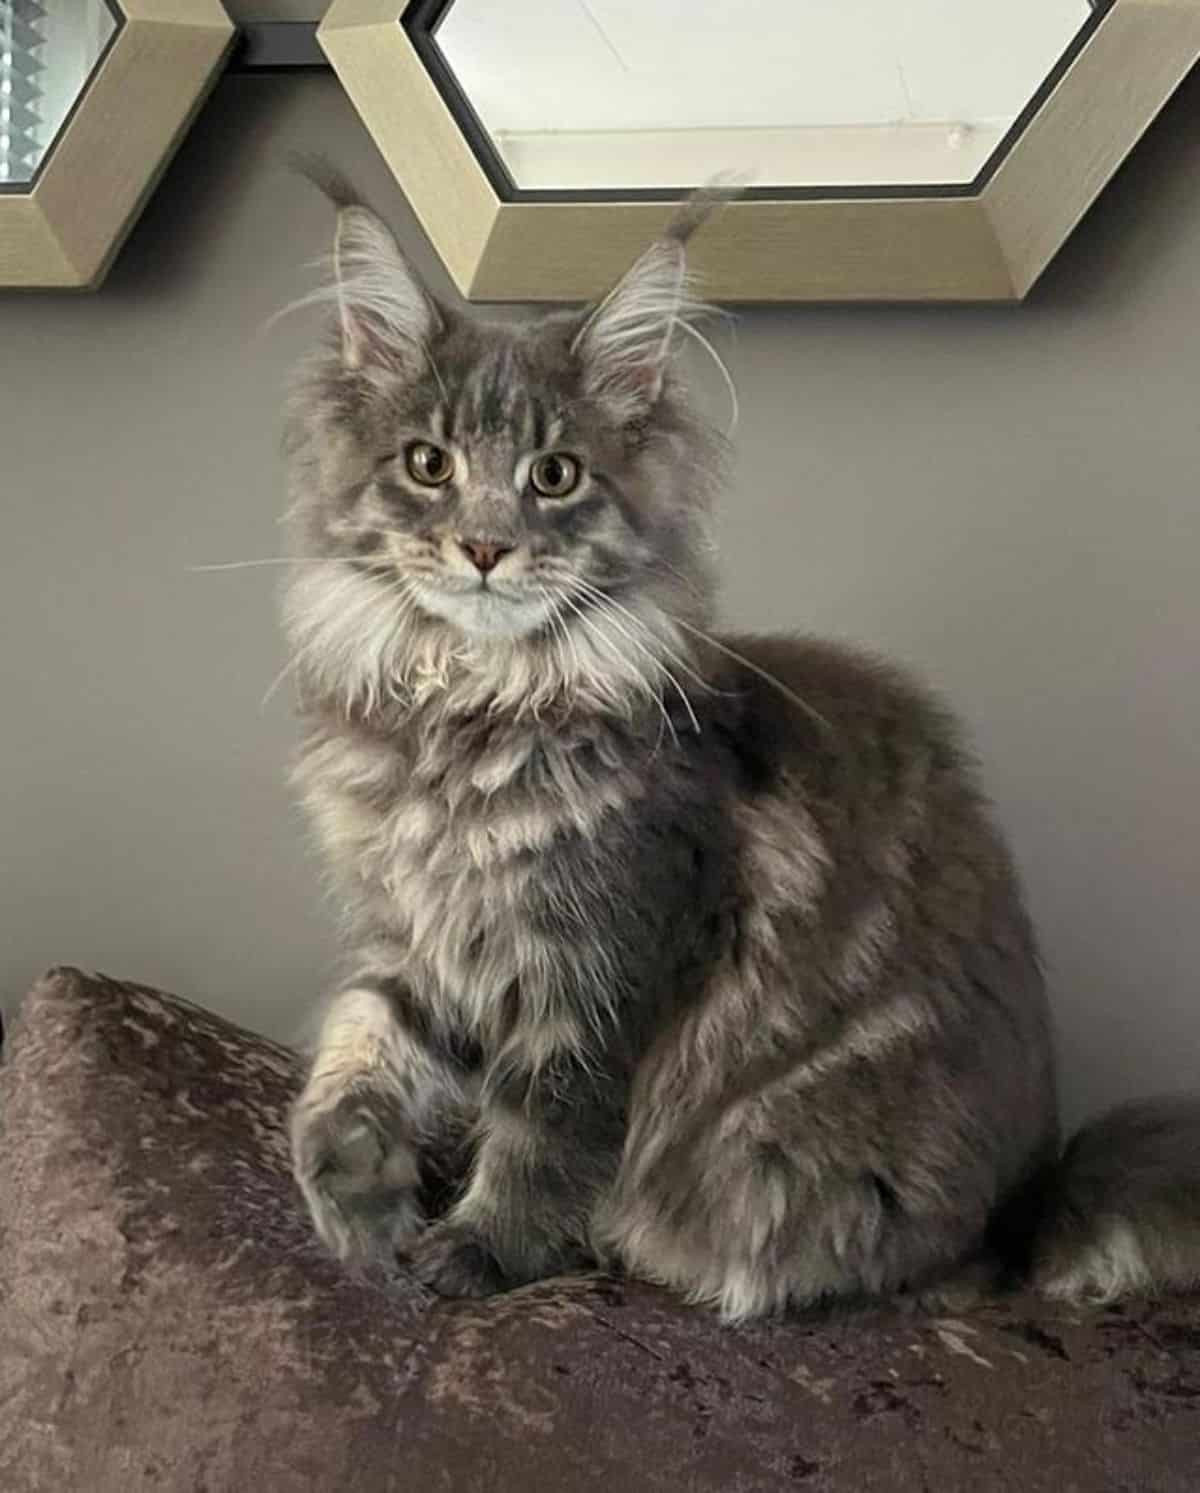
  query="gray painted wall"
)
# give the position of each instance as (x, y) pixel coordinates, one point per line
(1005, 497)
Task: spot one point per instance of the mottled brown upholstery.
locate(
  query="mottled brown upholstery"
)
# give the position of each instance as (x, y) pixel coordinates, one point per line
(166, 1323)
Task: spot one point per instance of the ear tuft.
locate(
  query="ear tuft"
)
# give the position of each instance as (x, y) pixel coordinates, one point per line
(385, 315)
(626, 342)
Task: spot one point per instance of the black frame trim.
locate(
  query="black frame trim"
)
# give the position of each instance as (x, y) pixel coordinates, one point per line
(422, 18)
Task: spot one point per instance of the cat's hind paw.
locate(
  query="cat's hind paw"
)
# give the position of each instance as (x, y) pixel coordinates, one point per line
(455, 1261)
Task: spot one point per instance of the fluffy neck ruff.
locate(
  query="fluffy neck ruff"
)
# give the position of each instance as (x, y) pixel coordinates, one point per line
(363, 647)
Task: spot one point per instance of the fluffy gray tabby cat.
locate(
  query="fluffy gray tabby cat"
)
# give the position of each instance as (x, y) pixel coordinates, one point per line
(700, 956)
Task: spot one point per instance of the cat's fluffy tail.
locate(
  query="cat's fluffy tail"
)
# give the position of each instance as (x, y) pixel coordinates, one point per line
(1119, 1214)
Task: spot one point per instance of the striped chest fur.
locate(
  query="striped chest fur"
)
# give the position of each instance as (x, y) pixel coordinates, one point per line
(467, 850)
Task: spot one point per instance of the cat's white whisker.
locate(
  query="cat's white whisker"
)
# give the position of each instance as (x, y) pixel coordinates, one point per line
(688, 582)
(292, 664)
(268, 560)
(655, 660)
(594, 621)
(602, 598)
(764, 674)
(562, 640)
(605, 602)
(730, 386)
(597, 631)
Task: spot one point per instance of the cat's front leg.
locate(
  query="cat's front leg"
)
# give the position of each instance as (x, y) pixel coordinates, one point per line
(551, 1128)
(379, 1094)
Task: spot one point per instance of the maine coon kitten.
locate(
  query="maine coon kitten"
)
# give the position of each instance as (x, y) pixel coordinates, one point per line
(700, 955)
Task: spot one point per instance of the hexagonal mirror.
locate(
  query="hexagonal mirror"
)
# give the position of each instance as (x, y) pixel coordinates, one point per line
(48, 51)
(784, 93)
(930, 150)
(94, 96)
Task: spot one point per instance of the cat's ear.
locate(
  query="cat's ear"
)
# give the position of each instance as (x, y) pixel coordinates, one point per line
(626, 341)
(386, 315)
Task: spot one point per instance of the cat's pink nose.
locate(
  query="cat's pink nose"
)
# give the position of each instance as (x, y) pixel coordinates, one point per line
(484, 557)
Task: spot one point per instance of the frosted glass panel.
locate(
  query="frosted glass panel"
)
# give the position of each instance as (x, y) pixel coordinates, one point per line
(578, 94)
(48, 49)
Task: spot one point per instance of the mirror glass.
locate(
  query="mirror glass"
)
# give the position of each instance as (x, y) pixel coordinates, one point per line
(587, 94)
(48, 50)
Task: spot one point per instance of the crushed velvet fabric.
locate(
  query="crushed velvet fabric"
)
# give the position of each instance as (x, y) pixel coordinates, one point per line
(167, 1323)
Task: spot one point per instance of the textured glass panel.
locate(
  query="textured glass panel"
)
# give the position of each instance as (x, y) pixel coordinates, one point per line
(48, 49)
(580, 94)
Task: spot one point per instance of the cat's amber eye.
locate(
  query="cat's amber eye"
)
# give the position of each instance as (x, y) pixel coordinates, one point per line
(555, 475)
(428, 464)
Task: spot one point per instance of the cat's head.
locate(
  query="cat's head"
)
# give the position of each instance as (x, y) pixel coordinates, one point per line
(530, 482)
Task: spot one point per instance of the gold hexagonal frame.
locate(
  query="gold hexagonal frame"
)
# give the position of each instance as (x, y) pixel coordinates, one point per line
(64, 232)
(989, 244)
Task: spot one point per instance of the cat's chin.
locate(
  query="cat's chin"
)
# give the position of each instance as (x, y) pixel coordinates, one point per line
(484, 613)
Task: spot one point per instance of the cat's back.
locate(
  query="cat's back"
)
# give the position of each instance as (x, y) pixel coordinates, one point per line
(857, 786)
(844, 723)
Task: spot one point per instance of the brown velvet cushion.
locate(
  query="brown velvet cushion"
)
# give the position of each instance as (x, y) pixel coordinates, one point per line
(168, 1324)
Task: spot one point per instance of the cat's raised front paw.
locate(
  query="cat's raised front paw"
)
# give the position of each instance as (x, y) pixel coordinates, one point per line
(358, 1174)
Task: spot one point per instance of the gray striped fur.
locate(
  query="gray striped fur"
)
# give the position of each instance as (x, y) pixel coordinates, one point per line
(704, 956)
